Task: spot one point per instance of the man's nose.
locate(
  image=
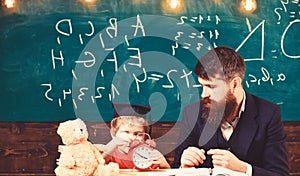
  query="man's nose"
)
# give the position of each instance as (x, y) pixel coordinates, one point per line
(205, 93)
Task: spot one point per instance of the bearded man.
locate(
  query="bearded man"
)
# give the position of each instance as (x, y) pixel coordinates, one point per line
(230, 127)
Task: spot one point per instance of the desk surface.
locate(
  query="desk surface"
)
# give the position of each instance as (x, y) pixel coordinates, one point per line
(166, 172)
(158, 172)
(187, 171)
(129, 172)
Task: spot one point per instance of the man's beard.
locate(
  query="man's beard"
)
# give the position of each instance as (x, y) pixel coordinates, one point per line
(216, 112)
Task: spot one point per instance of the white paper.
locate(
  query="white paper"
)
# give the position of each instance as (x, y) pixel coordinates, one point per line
(197, 172)
(226, 172)
(182, 172)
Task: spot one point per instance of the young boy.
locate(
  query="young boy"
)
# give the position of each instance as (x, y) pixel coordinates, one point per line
(129, 124)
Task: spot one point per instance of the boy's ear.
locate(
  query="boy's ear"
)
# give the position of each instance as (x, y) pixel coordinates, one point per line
(112, 133)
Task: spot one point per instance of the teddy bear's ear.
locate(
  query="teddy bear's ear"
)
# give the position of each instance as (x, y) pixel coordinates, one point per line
(80, 122)
(78, 119)
(61, 127)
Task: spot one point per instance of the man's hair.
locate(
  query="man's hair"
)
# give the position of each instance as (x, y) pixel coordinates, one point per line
(219, 61)
(128, 120)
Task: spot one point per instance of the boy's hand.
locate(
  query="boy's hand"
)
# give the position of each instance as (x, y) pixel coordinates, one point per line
(108, 149)
(159, 159)
(117, 142)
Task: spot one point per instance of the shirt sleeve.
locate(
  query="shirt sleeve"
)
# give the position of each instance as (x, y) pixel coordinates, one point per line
(249, 170)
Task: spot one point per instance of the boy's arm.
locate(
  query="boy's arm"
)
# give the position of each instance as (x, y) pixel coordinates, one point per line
(109, 148)
(106, 153)
(160, 160)
(97, 152)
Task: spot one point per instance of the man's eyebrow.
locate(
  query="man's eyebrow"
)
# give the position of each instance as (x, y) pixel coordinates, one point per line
(207, 84)
(210, 85)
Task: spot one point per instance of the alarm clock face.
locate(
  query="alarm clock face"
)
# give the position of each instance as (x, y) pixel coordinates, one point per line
(141, 157)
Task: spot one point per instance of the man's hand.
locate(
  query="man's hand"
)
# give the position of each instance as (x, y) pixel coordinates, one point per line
(192, 156)
(226, 159)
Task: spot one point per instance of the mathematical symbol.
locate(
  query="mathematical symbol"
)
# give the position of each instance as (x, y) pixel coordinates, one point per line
(292, 14)
(59, 102)
(126, 40)
(173, 48)
(124, 67)
(102, 73)
(74, 103)
(193, 19)
(200, 19)
(274, 51)
(186, 47)
(155, 77)
(192, 36)
(208, 18)
(179, 33)
(197, 85)
(93, 99)
(247, 84)
(74, 75)
(199, 45)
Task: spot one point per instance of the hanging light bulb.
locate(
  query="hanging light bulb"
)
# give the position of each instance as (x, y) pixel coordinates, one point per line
(88, 2)
(9, 3)
(174, 3)
(174, 6)
(248, 6)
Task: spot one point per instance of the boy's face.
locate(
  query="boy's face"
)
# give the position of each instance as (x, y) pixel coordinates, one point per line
(130, 132)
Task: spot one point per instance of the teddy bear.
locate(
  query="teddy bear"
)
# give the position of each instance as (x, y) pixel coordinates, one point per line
(78, 156)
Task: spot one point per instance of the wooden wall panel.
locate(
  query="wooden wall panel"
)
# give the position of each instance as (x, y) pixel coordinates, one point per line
(31, 148)
(28, 147)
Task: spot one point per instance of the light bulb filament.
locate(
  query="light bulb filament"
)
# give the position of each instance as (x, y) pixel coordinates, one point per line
(174, 4)
(9, 3)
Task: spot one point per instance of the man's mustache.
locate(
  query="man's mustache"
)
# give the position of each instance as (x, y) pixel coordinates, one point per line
(205, 101)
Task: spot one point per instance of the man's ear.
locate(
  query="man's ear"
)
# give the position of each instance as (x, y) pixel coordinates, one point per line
(236, 83)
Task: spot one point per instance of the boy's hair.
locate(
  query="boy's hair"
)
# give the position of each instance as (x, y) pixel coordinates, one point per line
(128, 120)
(219, 61)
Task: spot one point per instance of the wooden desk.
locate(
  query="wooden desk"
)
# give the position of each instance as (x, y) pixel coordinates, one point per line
(130, 172)
(155, 172)
(177, 172)
(166, 172)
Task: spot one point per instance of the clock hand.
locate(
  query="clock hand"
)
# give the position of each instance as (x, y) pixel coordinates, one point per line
(142, 156)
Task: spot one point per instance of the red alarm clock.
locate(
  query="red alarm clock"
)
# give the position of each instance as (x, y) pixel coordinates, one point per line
(141, 152)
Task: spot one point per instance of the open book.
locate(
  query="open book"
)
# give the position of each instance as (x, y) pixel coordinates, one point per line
(220, 171)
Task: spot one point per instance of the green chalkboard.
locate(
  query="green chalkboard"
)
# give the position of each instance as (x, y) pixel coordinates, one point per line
(65, 59)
